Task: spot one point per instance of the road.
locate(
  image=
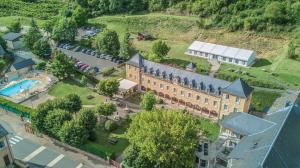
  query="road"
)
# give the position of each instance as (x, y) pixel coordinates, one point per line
(40, 152)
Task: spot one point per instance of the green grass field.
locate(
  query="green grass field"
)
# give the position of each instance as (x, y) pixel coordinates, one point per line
(262, 99)
(102, 147)
(68, 87)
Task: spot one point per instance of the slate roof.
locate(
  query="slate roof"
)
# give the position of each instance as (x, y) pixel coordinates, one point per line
(23, 64)
(3, 131)
(11, 36)
(277, 146)
(239, 88)
(196, 81)
(245, 124)
(2, 52)
(230, 52)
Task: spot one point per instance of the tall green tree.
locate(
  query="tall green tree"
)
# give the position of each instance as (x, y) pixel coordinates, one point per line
(103, 6)
(73, 133)
(72, 103)
(148, 101)
(42, 49)
(55, 120)
(80, 16)
(88, 119)
(38, 116)
(108, 87)
(15, 26)
(108, 42)
(106, 109)
(125, 47)
(64, 30)
(159, 50)
(61, 66)
(165, 137)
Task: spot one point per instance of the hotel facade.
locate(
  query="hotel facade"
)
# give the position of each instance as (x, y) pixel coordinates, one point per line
(204, 95)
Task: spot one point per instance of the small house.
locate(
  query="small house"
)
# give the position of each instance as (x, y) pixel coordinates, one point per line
(144, 36)
(23, 66)
(6, 157)
(13, 40)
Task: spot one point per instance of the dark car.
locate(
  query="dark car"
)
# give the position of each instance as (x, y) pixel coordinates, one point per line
(88, 52)
(83, 50)
(77, 49)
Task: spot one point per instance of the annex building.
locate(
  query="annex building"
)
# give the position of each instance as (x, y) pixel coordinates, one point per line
(230, 55)
(204, 95)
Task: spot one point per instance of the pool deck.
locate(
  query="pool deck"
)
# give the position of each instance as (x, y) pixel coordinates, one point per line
(45, 81)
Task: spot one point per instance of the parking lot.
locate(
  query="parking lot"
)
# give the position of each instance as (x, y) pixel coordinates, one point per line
(90, 60)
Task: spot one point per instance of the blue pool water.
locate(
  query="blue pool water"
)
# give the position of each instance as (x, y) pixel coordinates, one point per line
(18, 88)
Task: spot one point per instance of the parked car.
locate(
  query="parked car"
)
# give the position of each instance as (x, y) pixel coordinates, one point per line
(77, 49)
(83, 50)
(84, 67)
(93, 53)
(88, 52)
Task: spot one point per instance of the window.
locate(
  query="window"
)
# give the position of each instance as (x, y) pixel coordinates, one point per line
(154, 83)
(230, 59)
(195, 52)
(189, 94)
(161, 86)
(235, 110)
(182, 93)
(199, 148)
(190, 51)
(130, 75)
(197, 159)
(224, 58)
(2, 144)
(237, 100)
(227, 96)
(174, 90)
(203, 163)
(225, 107)
(198, 97)
(206, 100)
(148, 81)
(236, 61)
(243, 62)
(167, 87)
(215, 103)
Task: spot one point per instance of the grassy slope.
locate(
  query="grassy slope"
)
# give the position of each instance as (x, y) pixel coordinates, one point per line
(25, 21)
(64, 88)
(180, 31)
(262, 99)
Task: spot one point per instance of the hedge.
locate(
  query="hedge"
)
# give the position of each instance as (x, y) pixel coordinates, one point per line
(24, 110)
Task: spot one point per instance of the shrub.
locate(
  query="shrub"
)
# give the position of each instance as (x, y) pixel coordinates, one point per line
(108, 71)
(41, 66)
(110, 125)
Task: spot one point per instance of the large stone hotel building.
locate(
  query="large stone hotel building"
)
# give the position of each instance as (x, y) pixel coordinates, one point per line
(204, 95)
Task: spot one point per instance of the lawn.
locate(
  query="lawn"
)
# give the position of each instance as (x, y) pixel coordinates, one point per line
(63, 88)
(25, 21)
(263, 99)
(102, 147)
(273, 68)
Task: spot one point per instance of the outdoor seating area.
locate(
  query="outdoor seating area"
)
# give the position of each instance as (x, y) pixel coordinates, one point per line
(126, 88)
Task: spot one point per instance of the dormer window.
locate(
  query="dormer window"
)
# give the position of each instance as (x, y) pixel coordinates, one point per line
(219, 90)
(202, 86)
(211, 88)
(186, 82)
(194, 84)
(157, 73)
(151, 71)
(171, 77)
(164, 74)
(178, 79)
(145, 69)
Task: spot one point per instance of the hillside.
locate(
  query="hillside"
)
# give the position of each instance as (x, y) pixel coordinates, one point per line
(273, 68)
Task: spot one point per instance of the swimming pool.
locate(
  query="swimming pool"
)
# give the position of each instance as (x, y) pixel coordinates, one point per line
(18, 87)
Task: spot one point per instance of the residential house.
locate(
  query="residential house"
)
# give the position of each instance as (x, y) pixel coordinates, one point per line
(203, 95)
(13, 40)
(23, 66)
(6, 157)
(221, 53)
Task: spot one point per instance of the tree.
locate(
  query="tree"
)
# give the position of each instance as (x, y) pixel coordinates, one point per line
(110, 125)
(64, 30)
(55, 120)
(103, 6)
(73, 133)
(108, 42)
(165, 137)
(61, 66)
(3, 43)
(38, 116)
(275, 12)
(108, 87)
(148, 101)
(87, 118)
(125, 47)
(42, 49)
(159, 50)
(72, 103)
(48, 25)
(80, 16)
(15, 26)
(84, 80)
(106, 109)
(134, 158)
(32, 36)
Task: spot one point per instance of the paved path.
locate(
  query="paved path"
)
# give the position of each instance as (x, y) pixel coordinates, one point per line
(35, 147)
(215, 65)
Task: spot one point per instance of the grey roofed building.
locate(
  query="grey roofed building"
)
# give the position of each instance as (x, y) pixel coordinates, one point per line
(11, 36)
(245, 124)
(23, 64)
(3, 131)
(237, 56)
(275, 147)
(239, 88)
(201, 82)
